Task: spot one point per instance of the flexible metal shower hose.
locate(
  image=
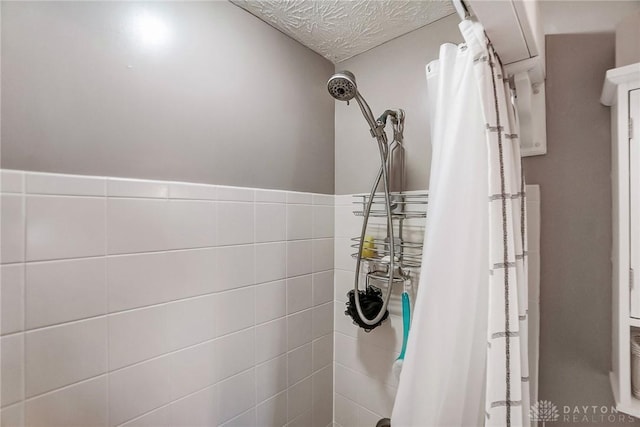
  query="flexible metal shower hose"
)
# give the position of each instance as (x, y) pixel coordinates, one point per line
(384, 175)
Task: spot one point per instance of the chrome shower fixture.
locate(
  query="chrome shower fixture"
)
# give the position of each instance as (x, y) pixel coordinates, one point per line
(342, 86)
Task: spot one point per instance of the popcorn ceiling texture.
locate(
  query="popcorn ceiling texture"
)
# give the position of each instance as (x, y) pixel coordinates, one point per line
(339, 30)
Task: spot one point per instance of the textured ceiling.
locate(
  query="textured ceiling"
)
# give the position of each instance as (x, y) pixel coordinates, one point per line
(340, 29)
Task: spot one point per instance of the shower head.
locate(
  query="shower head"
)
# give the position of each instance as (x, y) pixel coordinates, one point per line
(342, 86)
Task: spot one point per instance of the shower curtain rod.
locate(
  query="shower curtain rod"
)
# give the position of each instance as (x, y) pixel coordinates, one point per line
(462, 9)
(516, 34)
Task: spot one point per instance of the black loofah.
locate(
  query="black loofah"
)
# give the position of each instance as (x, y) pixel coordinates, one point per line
(370, 302)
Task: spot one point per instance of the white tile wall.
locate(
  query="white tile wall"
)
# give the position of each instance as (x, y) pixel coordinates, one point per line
(193, 368)
(322, 352)
(12, 289)
(44, 183)
(236, 395)
(234, 310)
(190, 321)
(298, 198)
(238, 194)
(82, 404)
(198, 231)
(160, 417)
(235, 223)
(299, 364)
(322, 287)
(299, 329)
(273, 301)
(303, 420)
(271, 377)
(137, 335)
(12, 228)
(148, 217)
(12, 416)
(49, 284)
(236, 266)
(12, 369)
(117, 187)
(271, 339)
(322, 320)
(300, 398)
(323, 221)
(274, 196)
(138, 389)
(322, 259)
(247, 418)
(321, 394)
(62, 355)
(299, 257)
(271, 261)
(60, 227)
(235, 353)
(299, 293)
(299, 222)
(148, 303)
(273, 412)
(271, 222)
(195, 410)
(11, 181)
(179, 190)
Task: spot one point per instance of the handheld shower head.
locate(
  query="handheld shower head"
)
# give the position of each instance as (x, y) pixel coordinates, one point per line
(342, 86)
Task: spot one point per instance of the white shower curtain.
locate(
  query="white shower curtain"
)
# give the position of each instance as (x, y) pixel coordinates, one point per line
(466, 361)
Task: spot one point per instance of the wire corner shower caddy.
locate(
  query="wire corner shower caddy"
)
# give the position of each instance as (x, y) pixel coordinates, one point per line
(408, 249)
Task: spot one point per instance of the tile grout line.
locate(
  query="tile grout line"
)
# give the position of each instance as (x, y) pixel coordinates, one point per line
(286, 308)
(166, 405)
(106, 286)
(255, 302)
(23, 179)
(242, 414)
(358, 405)
(313, 308)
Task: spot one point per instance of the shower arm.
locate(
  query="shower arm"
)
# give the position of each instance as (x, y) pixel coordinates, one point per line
(377, 126)
(397, 121)
(382, 120)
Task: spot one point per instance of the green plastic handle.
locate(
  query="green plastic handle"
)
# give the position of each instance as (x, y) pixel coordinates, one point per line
(406, 323)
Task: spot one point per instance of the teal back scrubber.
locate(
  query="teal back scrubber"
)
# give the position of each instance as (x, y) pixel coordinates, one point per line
(406, 324)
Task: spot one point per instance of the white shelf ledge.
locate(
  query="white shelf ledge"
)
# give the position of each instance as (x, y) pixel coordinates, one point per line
(616, 77)
(631, 408)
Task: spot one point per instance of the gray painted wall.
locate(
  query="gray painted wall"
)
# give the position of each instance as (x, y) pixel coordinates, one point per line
(226, 100)
(390, 76)
(575, 188)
